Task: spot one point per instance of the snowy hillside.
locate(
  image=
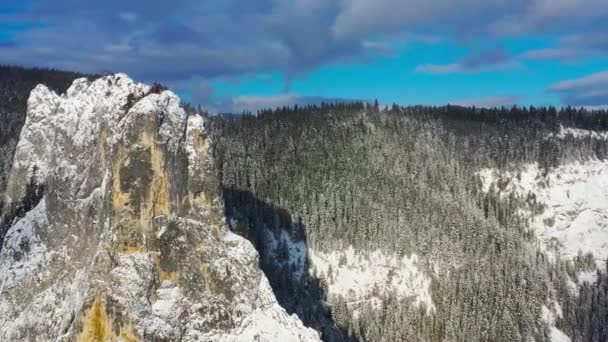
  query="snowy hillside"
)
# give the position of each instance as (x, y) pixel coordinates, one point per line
(581, 133)
(567, 209)
(361, 276)
(575, 199)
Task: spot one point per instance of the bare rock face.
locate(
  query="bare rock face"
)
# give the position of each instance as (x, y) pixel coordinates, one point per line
(115, 230)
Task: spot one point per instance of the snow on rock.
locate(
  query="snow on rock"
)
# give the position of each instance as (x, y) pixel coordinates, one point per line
(78, 117)
(128, 240)
(269, 322)
(24, 256)
(575, 197)
(358, 275)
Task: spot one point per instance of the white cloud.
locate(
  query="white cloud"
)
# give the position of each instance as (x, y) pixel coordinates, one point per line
(254, 103)
(573, 47)
(361, 17)
(439, 68)
(594, 80)
(172, 41)
(591, 90)
(553, 53)
(494, 59)
(540, 16)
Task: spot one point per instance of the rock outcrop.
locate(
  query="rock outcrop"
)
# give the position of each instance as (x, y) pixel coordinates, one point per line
(115, 229)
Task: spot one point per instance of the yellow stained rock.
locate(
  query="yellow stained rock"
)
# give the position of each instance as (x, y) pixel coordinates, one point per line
(97, 326)
(154, 202)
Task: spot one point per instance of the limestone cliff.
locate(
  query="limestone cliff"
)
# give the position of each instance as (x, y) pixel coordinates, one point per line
(115, 230)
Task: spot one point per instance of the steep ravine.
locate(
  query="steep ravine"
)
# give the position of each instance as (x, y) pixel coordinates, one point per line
(115, 230)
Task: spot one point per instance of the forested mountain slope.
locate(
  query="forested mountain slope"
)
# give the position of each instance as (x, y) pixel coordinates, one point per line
(398, 224)
(406, 233)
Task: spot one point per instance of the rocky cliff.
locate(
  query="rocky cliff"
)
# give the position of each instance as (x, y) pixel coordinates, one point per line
(114, 230)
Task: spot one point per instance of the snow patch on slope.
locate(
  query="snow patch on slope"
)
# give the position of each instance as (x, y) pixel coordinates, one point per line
(575, 196)
(548, 317)
(359, 275)
(589, 277)
(581, 133)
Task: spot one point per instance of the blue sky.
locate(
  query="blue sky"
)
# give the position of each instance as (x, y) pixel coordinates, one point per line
(234, 55)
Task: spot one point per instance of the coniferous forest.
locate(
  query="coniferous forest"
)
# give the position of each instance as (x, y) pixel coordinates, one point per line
(405, 181)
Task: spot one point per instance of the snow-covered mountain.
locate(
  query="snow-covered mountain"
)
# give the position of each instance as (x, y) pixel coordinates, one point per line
(115, 229)
(121, 212)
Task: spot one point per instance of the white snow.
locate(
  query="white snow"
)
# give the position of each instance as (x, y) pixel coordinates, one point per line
(557, 335)
(581, 133)
(358, 275)
(169, 301)
(167, 106)
(548, 317)
(78, 116)
(269, 322)
(575, 217)
(589, 277)
(198, 157)
(576, 199)
(195, 126)
(30, 265)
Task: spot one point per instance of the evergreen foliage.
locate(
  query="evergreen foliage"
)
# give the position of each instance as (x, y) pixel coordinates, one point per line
(403, 180)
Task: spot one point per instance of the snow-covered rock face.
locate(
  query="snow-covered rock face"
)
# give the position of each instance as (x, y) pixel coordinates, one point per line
(116, 231)
(575, 199)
